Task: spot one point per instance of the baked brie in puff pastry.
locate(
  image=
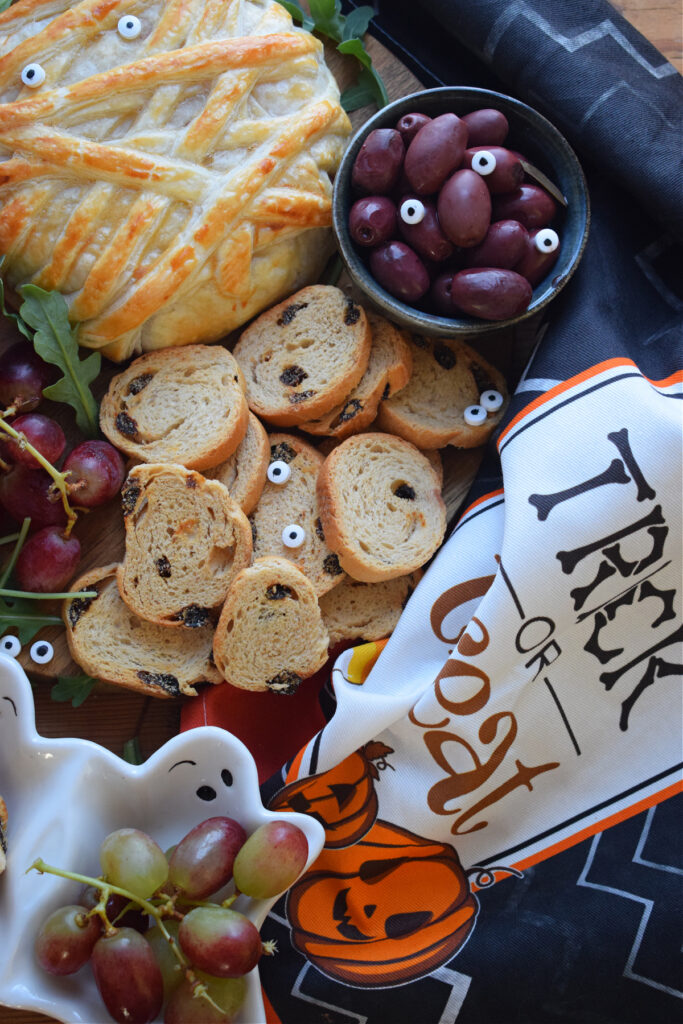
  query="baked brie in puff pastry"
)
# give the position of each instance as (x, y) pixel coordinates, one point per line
(165, 165)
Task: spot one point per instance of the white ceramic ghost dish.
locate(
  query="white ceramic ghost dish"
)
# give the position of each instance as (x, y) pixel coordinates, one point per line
(65, 795)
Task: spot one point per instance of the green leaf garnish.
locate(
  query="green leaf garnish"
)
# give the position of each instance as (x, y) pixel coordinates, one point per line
(328, 18)
(18, 322)
(19, 614)
(131, 751)
(4, 4)
(356, 22)
(55, 342)
(368, 78)
(72, 688)
(298, 14)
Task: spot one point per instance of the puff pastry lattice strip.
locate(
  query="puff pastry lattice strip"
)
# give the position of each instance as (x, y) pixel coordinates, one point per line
(172, 185)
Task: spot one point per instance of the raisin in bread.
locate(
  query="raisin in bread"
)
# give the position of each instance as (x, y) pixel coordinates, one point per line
(365, 611)
(448, 377)
(244, 473)
(294, 503)
(186, 539)
(380, 506)
(184, 405)
(388, 371)
(270, 635)
(111, 643)
(302, 357)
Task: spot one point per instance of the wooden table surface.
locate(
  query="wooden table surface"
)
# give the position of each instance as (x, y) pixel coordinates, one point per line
(111, 717)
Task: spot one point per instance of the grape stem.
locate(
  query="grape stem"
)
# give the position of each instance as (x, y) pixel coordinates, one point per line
(60, 481)
(47, 597)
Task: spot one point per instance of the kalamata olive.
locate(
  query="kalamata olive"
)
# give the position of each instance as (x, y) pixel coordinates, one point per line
(535, 263)
(464, 208)
(435, 152)
(490, 293)
(410, 124)
(376, 168)
(400, 271)
(507, 173)
(503, 246)
(529, 204)
(424, 235)
(440, 294)
(486, 127)
(372, 220)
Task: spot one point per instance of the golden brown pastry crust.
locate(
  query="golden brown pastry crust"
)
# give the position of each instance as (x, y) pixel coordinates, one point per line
(170, 186)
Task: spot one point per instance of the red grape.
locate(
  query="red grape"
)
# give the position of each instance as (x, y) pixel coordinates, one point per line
(30, 492)
(132, 918)
(23, 375)
(128, 977)
(45, 434)
(220, 941)
(47, 561)
(202, 862)
(271, 859)
(96, 471)
(185, 1008)
(66, 939)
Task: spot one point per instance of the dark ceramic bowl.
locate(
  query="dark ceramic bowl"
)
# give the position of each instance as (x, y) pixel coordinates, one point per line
(530, 134)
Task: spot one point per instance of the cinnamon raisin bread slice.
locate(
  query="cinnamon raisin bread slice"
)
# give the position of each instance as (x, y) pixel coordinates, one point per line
(186, 540)
(111, 643)
(365, 611)
(380, 506)
(304, 356)
(184, 405)
(270, 635)
(388, 371)
(3, 835)
(448, 377)
(244, 473)
(294, 503)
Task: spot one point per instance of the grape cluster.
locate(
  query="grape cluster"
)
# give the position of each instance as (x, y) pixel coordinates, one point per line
(156, 932)
(31, 447)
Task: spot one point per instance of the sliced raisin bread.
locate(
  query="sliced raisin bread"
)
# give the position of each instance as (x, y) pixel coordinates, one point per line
(388, 371)
(448, 377)
(111, 643)
(186, 540)
(381, 507)
(244, 473)
(3, 835)
(294, 503)
(184, 405)
(366, 611)
(270, 635)
(304, 356)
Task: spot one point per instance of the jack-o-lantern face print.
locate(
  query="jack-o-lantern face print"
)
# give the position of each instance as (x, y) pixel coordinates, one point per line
(388, 910)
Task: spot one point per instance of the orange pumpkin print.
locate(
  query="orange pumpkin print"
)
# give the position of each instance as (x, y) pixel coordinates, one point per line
(342, 799)
(388, 910)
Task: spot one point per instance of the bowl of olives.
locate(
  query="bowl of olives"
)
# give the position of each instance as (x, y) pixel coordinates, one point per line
(459, 210)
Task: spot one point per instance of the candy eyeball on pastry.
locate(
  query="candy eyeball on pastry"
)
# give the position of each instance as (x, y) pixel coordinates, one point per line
(129, 27)
(33, 75)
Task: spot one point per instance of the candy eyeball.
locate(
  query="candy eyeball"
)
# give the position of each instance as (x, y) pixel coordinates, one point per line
(293, 536)
(129, 26)
(491, 400)
(412, 211)
(546, 240)
(33, 75)
(42, 652)
(484, 162)
(10, 645)
(475, 415)
(278, 472)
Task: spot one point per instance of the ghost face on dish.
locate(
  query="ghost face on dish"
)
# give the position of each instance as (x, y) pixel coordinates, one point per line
(65, 795)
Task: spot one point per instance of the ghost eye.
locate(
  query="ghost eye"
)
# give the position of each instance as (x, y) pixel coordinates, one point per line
(293, 536)
(42, 652)
(129, 26)
(33, 75)
(10, 645)
(227, 777)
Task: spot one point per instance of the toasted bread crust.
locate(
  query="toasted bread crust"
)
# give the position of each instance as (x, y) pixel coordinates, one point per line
(244, 472)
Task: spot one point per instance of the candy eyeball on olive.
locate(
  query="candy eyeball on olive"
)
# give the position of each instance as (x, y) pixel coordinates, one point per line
(129, 26)
(10, 645)
(293, 536)
(475, 415)
(33, 75)
(491, 400)
(42, 652)
(278, 472)
(546, 240)
(412, 211)
(484, 162)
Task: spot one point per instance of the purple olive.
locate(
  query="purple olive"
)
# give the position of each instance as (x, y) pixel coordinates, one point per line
(379, 161)
(440, 294)
(490, 293)
(435, 152)
(529, 204)
(372, 220)
(503, 246)
(536, 262)
(464, 208)
(419, 227)
(500, 168)
(410, 124)
(400, 271)
(486, 127)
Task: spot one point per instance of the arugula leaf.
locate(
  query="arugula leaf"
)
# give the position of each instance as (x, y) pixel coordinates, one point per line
(131, 751)
(72, 688)
(55, 342)
(368, 76)
(328, 18)
(298, 14)
(19, 323)
(356, 22)
(17, 613)
(4, 4)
